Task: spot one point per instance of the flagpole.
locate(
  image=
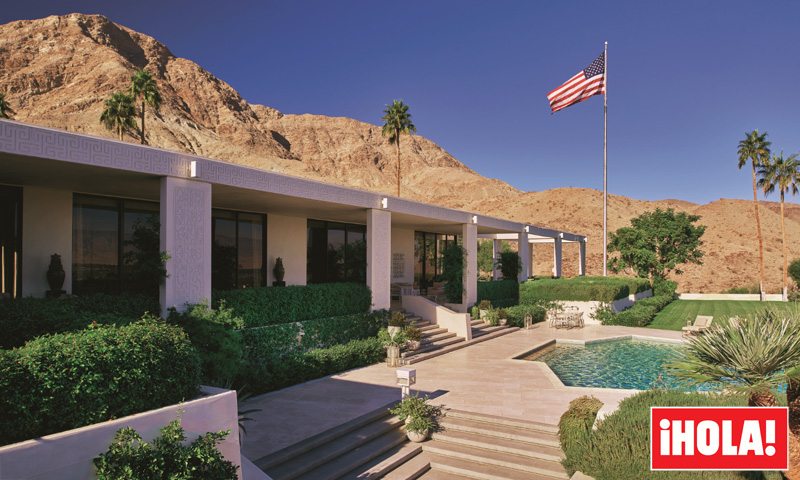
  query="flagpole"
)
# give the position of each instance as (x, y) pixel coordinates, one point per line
(605, 162)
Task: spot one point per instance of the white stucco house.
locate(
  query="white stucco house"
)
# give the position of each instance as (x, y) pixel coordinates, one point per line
(81, 196)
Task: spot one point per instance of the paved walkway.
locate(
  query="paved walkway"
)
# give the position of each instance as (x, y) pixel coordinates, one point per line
(482, 378)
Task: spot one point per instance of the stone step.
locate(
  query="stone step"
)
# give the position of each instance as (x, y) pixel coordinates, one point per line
(425, 355)
(478, 332)
(427, 326)
(499, 444)
(337, 446)
(509, 422)
(299, 448)
(501, 431)
(472, 459)
(436, 330)
(435, 474)
(411, 469)
(440, 343)
(352, 464)
(468, 469)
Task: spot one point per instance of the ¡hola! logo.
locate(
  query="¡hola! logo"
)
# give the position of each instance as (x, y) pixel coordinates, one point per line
(719, 438)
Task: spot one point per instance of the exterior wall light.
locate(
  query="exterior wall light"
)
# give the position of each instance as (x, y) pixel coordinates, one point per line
(475, 219)
(527, 228)
(561, 235)
(405, 378)
(384, 202)
(194, 169)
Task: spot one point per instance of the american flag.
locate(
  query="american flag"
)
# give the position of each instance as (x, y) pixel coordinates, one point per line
(588, 82)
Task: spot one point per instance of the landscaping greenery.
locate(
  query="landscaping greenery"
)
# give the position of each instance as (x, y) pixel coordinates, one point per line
(674, 315)
(69, 380)
(582, 289)
(397, 122)
(131, 458)
(5, 108)
(509, 264)
(264, 306)
(656, 244)
(452, 262)
(23, 319)
(118, 113)
(516, 314)
(502, 293)
(794, 271)
(639, 315)
(144, 86)
(755, 148)
(619, 448)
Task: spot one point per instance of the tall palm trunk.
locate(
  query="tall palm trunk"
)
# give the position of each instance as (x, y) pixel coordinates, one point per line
(142, 121)
(119, 130)
(785, 267)
(760, 242)
(763, 398)
(793, 401)
(397, 143)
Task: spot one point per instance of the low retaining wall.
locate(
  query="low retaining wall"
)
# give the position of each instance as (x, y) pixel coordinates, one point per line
(69, 454)
(752, 297)
(588, 308)
(458, 323)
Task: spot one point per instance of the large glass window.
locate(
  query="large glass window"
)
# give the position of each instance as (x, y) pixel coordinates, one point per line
(115, 245)
(10, 241)
(428, 248)
(238, 253)
(336, 252)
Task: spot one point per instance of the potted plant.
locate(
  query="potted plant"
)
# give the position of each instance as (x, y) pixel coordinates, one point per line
(55, 276)
(397, 322)
(491, 318)
(502, 317)
(484, 306)
(392, 344)
(413, 337)
(279, 273)
(420, 417)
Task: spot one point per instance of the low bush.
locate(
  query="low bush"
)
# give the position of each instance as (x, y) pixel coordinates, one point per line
(664, 287)
(264, 306)
(510, 264)
(502, 293)
(581, 289)
(741, 290)
(619, 448)
(295, 368)
(516, 314)
(69, 380)
(575, 431)
(23, 319)
(640, 314)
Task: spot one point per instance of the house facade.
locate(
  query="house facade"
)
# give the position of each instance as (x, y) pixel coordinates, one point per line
(99, 203)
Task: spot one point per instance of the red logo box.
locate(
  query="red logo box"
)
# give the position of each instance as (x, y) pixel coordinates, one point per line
(719, 438)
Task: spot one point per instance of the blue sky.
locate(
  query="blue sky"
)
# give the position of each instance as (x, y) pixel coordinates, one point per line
(686, 79)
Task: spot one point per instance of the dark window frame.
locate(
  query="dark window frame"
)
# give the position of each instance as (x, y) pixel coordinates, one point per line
(236, 221)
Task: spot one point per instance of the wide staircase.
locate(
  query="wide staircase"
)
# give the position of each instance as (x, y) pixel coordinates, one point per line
(438, 341)
(373, 446)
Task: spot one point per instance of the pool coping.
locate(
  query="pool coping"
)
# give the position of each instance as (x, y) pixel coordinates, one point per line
(553, 378)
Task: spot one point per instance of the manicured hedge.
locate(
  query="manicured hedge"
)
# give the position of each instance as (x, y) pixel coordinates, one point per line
(301, 367)
(69, 380)
(581, 289)
(516, 314)
(640, 314)
(619, 448)
(502, 293)
(259, 307)
(23, 319)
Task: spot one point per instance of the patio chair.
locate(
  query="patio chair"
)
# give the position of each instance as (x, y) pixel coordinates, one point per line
(701, 323)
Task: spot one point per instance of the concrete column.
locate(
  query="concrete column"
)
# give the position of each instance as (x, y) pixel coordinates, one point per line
(557, 258)
(379, 257)
(530, 259)
(582, 258)
(523, 247)
(497, 247)
(186, 237)
(469, 232)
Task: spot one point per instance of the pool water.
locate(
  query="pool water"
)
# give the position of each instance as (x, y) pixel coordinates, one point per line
(629, 364)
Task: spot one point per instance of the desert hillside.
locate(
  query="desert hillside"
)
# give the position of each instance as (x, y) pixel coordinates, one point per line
(58, 71)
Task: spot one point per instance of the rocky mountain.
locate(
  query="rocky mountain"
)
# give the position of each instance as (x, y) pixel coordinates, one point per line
(58, 71)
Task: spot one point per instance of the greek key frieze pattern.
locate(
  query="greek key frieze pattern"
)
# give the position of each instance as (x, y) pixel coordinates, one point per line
(189, 209)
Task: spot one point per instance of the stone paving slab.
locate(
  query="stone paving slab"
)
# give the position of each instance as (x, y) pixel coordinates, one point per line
(484, 378)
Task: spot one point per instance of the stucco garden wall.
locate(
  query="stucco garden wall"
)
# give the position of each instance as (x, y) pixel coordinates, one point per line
(47, 229)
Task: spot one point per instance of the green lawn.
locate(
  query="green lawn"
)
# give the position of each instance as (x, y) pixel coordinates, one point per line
(673, 316)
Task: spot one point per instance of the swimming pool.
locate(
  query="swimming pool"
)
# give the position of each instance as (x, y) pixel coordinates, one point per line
(625, 364)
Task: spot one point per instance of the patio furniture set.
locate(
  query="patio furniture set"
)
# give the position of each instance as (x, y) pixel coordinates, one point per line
(569, 317)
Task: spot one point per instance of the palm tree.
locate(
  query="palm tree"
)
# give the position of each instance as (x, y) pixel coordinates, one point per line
(5, 108)
(751, 356)
(398, 122)
(784, 174)
(144, 85)
(118, 113)
(755, 147)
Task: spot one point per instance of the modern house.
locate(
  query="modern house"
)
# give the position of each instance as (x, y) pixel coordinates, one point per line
(91, 200)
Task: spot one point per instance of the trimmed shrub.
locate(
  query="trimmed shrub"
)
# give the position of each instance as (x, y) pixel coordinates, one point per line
(575, 430)
(794, 271)
(516, 314)
(70, 380)
(23, 319)
(640, 314)
(664, 287)
(295, 368)
(581, 289)
(502, 293)
(510, 265)
(264, 306)
(619, 448)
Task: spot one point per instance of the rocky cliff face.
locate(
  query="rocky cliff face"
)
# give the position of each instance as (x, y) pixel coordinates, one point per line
(58, 71)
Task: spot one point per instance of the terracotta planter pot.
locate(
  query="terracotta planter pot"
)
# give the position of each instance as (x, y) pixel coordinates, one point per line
(502, 322)
(393, 330)
(417, 437)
